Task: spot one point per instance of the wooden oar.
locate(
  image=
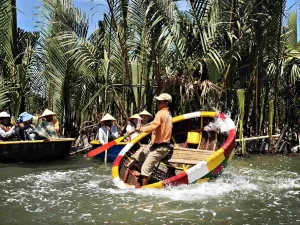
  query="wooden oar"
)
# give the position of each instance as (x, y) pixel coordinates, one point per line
(80, 150)
(102, 148)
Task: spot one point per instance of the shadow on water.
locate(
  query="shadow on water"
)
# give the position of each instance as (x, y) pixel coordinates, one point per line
(255, 190)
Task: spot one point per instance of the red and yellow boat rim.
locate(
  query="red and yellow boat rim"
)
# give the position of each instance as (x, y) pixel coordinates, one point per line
(191, 175)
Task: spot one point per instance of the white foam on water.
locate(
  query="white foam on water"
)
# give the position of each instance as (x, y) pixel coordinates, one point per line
(194, 192)
(67, 190)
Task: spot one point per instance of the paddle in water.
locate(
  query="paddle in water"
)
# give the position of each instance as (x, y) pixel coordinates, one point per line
(108, 145)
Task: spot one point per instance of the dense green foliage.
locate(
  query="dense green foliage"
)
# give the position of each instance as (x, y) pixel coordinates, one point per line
(201, 56)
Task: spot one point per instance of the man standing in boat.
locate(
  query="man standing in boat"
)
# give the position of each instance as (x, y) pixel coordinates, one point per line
(161, 128)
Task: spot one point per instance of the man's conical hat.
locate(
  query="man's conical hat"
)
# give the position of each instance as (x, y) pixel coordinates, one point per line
(136, 116)
(146, 113)
(47, 112)
(107, 117)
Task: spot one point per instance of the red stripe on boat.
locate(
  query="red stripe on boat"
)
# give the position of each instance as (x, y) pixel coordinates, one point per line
(229, 144)
(176, 180)
(118, 160)
(217, 170)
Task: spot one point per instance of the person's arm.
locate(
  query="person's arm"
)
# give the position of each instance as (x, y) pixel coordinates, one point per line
(114, 132)
(5, 135)
(129, 128)
(56, 125)
(24, 128)
(102, 137)
(153, 125)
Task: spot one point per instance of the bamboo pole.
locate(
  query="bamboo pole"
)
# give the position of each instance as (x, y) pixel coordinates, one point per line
(271, 119)
(80, 150)
(241, 101)
(261, 110)
(201, 127)
(105, 156)
(258, 138)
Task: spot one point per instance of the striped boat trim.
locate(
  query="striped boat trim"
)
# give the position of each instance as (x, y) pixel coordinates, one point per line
(202, 171)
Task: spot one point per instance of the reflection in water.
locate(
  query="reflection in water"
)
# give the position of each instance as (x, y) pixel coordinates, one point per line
(256, 190)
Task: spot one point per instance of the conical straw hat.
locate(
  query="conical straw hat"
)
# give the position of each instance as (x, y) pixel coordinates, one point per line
(107, 117)
(146, 113)
(4, 115)
(47, 112)
(136, 116)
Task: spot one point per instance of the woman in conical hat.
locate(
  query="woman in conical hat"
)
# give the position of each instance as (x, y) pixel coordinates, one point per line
(5, 121)
(107, 132)
(48, 115)
(6, 129)
(131, 125)
(108, 117)
(146, 116)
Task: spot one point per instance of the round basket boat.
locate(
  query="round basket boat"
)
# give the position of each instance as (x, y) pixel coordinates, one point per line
(205, 164)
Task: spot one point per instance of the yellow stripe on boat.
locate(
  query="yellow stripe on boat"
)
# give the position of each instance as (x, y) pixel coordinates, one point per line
(115, 171)
(215, 159)
(154, 185)
(202, 180)
(208, 114)
(36, 141)
(95, 142)
(177, 119)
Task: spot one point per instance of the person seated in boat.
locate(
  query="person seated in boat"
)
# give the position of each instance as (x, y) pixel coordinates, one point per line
(49, 116)
(133, 122)
(210, 130)
(107, 132)
(46, 128)
(7, 130)
(161, 128)
(146, 116)
(25, 126)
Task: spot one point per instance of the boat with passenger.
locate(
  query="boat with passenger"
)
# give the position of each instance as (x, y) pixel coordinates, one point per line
(111, 153)
(30, 140)
(199, 154)
(34, 151)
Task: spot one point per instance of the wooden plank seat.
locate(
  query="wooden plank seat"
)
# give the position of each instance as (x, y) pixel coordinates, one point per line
(189, 156)
(181, 161)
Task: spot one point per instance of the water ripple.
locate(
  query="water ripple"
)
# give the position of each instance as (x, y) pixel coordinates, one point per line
(244, 193)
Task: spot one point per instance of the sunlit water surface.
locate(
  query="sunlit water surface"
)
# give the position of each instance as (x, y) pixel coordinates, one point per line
(255, 190)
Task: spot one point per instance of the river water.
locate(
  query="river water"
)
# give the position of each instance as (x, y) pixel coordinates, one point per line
(256, 190)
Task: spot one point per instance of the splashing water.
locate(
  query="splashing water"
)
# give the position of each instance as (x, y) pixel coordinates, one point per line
(257, 190)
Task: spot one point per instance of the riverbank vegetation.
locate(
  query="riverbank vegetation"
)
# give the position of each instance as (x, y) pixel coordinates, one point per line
(203, 55)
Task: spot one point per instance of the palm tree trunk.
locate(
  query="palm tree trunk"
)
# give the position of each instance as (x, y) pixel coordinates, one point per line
(14, 28)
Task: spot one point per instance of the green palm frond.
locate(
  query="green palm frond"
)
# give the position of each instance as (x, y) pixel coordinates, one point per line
(6, 48)
(291, 36)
